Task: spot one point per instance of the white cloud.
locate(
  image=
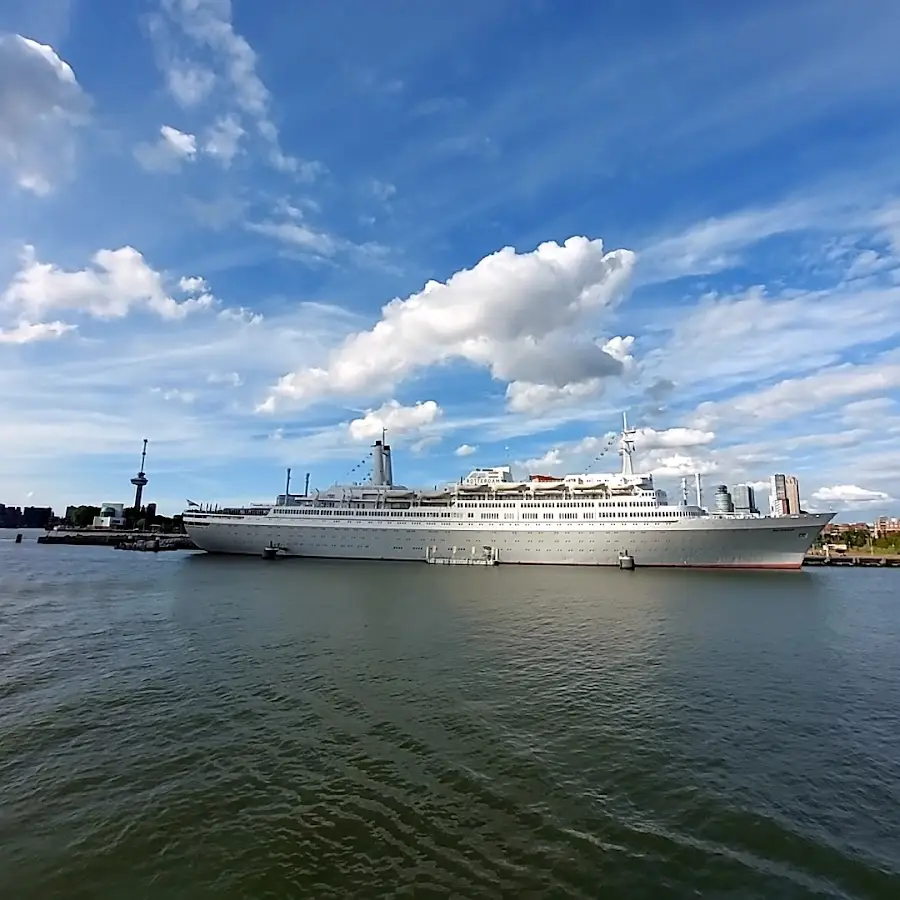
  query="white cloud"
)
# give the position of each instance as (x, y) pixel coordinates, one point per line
(423, 444)
(241, 314)
(40, 103)
(521, 316)
(172, 148)
(867, 412)
(394, 418)
(561, 364)
(535, 399)
(300, 236)
(232, 379)
(868, 262)
(223, 139)
(303, 169)
(179, 394)
(184, 145)
(193, 284)
(849, 494)
(188, 83)
(679, 465)
(296, 209)
(465, 450)
(317, 245)
(650, 439)
(116, 282)
(27, 333)
(550, 463)
(382, 190)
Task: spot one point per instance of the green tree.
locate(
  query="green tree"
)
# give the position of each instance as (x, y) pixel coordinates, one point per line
(855, 537)
(83, 516)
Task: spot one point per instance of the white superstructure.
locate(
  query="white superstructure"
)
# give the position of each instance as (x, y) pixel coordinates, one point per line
(584, 519)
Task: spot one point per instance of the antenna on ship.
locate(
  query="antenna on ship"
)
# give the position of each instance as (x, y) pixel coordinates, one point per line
(627, 446)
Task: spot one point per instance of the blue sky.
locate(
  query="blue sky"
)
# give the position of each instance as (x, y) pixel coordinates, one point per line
(256, 236)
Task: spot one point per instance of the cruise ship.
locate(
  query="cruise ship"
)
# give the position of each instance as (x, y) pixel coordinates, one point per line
(586, 519)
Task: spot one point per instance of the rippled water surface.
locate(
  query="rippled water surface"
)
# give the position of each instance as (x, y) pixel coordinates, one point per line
(181, 726)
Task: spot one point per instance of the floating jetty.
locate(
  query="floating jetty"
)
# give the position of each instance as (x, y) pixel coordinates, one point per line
(477, 556)
(122, 540)
(844, 559)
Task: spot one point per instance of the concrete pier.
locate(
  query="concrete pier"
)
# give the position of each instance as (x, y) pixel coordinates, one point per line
(125, 540)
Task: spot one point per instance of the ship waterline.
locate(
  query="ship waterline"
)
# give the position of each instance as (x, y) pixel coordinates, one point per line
(591, 520)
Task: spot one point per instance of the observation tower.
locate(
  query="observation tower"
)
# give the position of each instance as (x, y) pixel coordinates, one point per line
(140, 480)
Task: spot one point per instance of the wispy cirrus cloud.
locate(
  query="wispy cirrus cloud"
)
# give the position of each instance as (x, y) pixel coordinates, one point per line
(184, 28)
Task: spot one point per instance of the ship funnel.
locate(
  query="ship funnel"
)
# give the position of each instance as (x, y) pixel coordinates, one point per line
(378, 463)
(388, 466)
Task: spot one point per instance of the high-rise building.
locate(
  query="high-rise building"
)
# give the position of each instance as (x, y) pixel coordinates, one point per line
(723, 500)
(792, 491)
(784, 495)
(744, 499)
(778, 504)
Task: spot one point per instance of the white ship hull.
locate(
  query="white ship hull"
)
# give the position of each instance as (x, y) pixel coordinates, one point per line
(704, 542)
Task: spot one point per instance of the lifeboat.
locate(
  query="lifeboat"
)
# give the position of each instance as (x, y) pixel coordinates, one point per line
(398, 495)
(434, 495)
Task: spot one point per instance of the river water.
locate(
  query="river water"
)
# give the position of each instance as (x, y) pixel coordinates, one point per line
(183, 726)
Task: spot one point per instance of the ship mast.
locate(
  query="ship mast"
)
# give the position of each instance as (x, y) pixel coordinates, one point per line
(627, 446)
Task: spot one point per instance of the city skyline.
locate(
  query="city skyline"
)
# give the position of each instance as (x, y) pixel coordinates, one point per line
(489, 229)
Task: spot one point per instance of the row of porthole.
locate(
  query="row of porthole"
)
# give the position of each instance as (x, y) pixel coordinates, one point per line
(517, 541)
